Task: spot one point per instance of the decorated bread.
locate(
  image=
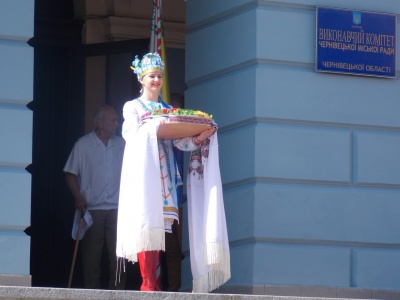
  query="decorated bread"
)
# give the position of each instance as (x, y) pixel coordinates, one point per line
(180, 123)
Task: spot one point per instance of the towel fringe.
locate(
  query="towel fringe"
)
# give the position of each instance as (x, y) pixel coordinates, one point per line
(215, 253)
(150, 239)
(218, 274)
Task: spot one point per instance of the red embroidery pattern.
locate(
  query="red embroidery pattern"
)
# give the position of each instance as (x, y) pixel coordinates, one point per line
(196, 159)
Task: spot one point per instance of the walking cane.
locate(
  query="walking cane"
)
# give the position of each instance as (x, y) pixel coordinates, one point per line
(76, 249)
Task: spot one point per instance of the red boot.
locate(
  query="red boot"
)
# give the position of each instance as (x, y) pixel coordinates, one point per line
(148, 263)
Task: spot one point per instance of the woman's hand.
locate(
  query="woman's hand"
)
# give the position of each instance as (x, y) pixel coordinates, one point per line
(204, 135)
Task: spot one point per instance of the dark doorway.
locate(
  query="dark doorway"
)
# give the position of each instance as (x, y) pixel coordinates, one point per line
(58, 120)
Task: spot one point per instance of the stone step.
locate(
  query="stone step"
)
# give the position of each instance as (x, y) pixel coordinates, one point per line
(38, 293)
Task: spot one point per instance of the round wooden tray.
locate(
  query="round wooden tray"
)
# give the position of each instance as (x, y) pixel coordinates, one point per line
(174, 130)
(177, 127)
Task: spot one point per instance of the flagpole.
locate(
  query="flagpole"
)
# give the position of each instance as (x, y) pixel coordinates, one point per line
(153, 29)
(157, 44)
(165, 87)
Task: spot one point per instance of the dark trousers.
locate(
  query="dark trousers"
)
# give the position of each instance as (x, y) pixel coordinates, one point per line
(102, 232)
(172, 258)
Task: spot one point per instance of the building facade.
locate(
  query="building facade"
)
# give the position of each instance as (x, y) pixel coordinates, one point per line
(16, 92)
(309, 160)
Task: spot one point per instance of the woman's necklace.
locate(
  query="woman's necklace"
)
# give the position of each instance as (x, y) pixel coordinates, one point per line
(150, 106)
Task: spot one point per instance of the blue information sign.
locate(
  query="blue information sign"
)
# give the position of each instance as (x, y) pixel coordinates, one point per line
(356, 42)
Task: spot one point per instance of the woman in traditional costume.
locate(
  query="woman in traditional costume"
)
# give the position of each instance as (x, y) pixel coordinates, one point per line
(148, 202)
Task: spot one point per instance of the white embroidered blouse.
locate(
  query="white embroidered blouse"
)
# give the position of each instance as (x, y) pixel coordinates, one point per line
(169, 174)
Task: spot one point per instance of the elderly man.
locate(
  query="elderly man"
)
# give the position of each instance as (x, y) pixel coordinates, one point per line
(93, 172)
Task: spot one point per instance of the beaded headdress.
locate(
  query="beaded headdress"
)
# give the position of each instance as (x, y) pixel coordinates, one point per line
(150, 62)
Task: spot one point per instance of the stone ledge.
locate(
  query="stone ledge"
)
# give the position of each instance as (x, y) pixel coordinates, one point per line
(276, 293)
(325, 292)
(34, 293)
(15, 280)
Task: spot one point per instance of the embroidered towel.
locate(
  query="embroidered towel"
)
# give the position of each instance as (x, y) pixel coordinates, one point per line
(208, 235)
(140, 212)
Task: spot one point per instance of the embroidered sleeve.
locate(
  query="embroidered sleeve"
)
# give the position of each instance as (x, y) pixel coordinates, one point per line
(185, 144)
(131, 120)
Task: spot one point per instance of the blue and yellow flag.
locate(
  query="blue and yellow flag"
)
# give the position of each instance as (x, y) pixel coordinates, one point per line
(157, 44)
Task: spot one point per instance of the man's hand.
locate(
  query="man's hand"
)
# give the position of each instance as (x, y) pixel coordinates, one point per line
(72, 183)
(80, 204)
